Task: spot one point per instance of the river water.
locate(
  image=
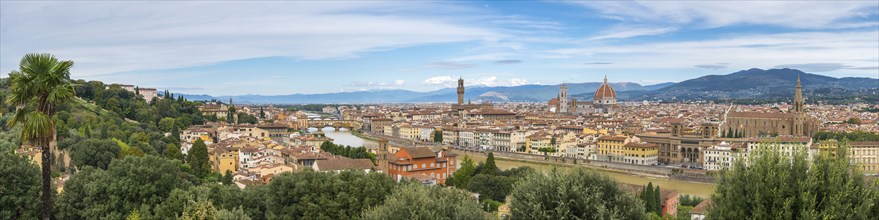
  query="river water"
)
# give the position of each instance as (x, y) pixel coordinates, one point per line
(344, 137)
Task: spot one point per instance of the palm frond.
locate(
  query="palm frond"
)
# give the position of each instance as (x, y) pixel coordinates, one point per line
(37, 127)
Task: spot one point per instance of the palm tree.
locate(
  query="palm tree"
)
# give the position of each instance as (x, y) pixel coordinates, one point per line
(40, 85)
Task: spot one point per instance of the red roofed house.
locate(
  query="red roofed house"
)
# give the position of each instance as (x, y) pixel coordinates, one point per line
(409, 162)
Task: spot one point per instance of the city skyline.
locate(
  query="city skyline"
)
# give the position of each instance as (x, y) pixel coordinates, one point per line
(232, 48)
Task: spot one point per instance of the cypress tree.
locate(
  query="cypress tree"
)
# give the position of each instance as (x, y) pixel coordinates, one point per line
(490, 168)
(175, 133)
(648, 197)
(657, 201)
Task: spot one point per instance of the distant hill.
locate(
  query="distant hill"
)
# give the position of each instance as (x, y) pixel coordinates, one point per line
(758, 83)
(745, 84)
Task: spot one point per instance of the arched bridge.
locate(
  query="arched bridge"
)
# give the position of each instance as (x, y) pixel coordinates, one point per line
(337, 124)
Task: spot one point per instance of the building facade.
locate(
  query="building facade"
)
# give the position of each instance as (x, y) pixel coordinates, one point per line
(794, 122)
(421, 162)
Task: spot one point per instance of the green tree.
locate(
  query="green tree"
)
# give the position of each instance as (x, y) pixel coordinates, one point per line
(197, 158)
(133, 183)
(438, 136)
(175, 133)
(325, 195)
(37, 88)
(774, 185)
(462, 177)
(167, 124)
(413, 201)
(657, 201)
(88, 131)
(199, 210)
(491, 187)
(173, 152)
(133, 215)
(20, 187)
(647, 197)
(688, 200)
(490, 168)
(574, 194)
(227, 178)
(853, 120)
(94, 152)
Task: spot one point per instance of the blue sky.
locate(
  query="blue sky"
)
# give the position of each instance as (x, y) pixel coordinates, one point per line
(234, 48)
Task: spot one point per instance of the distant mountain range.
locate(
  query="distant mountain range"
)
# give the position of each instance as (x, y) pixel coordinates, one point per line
(759, 83)
(743, 84)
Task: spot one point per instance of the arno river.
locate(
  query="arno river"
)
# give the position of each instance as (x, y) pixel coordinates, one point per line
(704, 190)
(344, 137)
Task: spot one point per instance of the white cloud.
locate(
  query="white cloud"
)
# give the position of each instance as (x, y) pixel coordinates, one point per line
(107, 37)
(450, 81)
(795, 14)
(857, 48)
(367, 85)
(399, 82)
(440, 80)
(629, 32)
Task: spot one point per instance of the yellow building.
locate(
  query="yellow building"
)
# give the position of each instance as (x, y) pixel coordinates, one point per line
(611, 148)
(224, 159)
(534, 142)
(593, 131)
(641, 153)
(828, 147)
(410, 132)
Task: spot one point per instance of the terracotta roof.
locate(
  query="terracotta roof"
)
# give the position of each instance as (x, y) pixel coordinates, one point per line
(864, 144)
(419, 152)
(644, 145)
(612, 138)
(782, 139)
(760, 115)
(700, 209)
(604, 91)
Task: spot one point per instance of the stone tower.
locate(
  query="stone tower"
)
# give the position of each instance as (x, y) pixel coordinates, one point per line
(563, 99)
(798, 110)
(460, 91)
(382, 156)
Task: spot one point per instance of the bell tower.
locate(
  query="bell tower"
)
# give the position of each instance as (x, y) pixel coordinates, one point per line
(382, 156)
(799, 110)
(563, 99)
(460, 91)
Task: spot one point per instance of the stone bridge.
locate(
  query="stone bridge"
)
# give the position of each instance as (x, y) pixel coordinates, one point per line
(337, 124)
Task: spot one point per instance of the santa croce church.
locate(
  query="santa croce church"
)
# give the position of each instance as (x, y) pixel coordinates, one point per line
(794, 122)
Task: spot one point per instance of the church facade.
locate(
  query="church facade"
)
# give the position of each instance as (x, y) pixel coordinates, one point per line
(794, 122)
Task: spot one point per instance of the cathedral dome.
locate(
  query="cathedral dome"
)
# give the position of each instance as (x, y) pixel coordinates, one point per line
(604, 92)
